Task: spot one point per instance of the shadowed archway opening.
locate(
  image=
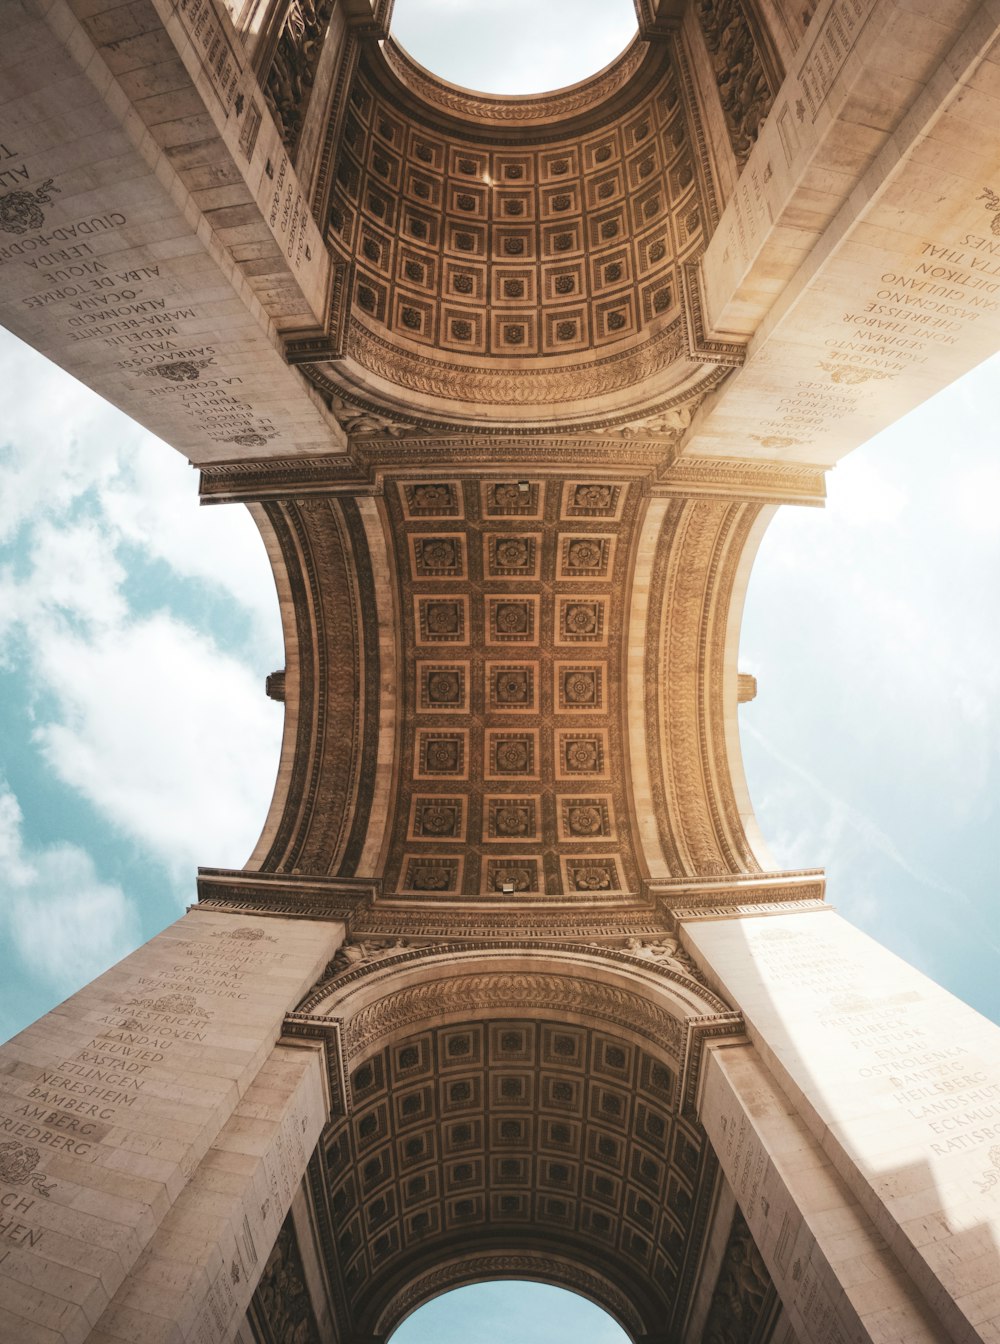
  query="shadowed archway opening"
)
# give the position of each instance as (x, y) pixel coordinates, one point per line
(506, 1309)
(514, 46)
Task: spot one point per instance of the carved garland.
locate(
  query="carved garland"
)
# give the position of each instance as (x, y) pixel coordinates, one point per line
(525, 386)
(512, 992)
(428, 427)
(687, 975)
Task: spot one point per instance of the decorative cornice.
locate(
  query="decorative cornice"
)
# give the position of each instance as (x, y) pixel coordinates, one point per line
(733, 478)
(527, 384)
(276, 478)
(746, 909)
(752, 893)
(283, 894)
(516, 110)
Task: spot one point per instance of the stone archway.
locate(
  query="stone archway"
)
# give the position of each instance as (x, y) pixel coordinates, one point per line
(514, 1108)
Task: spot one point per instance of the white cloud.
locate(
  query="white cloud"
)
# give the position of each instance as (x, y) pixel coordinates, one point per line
(66, 924)
(57, 441)
(166, 734)
(171, 739)
(513, 46)
(154, 505)
(72, 575)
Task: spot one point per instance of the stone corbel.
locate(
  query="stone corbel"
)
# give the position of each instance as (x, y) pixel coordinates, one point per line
(702, 347)
(327, 344)
(368, 18)
(659, 18)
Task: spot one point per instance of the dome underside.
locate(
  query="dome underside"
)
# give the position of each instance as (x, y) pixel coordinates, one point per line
(516, 261)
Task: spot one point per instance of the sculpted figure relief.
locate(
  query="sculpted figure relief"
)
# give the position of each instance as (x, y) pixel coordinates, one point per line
(293, 69)
(354, 954)
(739, 72)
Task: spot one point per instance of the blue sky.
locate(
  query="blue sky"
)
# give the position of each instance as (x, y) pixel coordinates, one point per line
(501, 1313)
(136, 631)
(135, 634)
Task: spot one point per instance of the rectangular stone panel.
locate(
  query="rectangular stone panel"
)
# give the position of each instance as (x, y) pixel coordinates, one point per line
(898, 1081)
(109, 1102)
(116, 260)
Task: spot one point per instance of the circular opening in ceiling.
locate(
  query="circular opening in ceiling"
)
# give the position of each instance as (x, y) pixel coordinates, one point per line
(494, 1313)
(513, 46)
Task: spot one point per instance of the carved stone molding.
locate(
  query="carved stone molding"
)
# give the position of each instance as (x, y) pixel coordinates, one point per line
(700, 552)
(526, 1264)
(633, 957)
(275, 478)
(330, 343)
(544, 109)
(699, 345)
(282, 894)
(602, 376)
(762, 481)
(704, 898)
(391, 431)
(659, 18)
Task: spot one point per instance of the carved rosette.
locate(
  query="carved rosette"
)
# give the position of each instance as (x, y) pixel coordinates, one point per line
(523, 255)
(528, 1098)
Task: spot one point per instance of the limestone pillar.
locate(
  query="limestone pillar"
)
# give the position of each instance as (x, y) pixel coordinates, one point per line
(154, 1099)
(867, 1106)
(154, 237)
(857, 255)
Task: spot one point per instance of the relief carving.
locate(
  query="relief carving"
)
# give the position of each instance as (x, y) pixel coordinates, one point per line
(507, 991)
(742, 1293)
(744, 90)
(281, 1308)
(289, 80)
(992, 201)
(362, 953)
(17, 1167)
(21, 211)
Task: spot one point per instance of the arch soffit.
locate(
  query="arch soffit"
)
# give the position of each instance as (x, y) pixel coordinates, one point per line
(678, 713)
(441, 200)
(444, 1274)
(372, 1015)
(658, 1005)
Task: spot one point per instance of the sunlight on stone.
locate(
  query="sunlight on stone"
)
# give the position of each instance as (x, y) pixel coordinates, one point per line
(513, 46)
(496, 1313)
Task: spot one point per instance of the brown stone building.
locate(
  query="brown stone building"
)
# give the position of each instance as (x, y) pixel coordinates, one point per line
(512, 387)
